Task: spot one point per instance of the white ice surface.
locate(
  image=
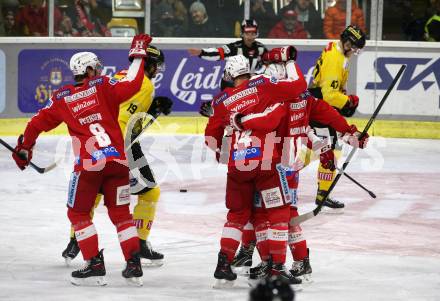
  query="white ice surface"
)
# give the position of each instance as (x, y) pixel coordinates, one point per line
(380, 249)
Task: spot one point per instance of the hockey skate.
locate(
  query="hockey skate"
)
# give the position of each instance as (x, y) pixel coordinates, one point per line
(330, 205)
(71, 251)
(280, 270)
(133, 271)
(302, 269)
(259, 272)
(243, 260)
(223, 273)
(150, 258)
(92, 274)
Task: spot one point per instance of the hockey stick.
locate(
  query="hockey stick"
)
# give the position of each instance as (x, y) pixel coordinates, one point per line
(357, 183)
(37, 168)
(306, 216)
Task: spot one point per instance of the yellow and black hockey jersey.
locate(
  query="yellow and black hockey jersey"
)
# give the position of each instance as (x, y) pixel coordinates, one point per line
(140, 102)
(331, 75)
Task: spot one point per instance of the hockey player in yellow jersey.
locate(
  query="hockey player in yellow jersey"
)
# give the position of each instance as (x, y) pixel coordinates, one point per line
(142, 182)
(330, 78)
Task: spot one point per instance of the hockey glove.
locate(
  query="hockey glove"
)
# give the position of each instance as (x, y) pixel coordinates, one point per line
(327, 159)
(235, 121)
(352, 138)
(206, 109)
(22, 154)
(280, 54)
(139, 46)
(160, 104)
(351, 106)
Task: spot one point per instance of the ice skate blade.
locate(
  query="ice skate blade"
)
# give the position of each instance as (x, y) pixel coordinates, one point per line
(149, 263)
(306, 278)
(241, 271)
(134, 281)
(328, 210)
(68, 261)
(89, 281)
(223, 284)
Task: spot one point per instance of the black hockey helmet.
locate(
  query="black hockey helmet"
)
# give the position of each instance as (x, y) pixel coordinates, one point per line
(154, 57)
(249, 25)
(271, 289)
(354, 35)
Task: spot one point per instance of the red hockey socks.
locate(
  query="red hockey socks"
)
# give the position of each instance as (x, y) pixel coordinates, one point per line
(231, 237)
(297, 243)
(128, 238)
(248, 235)
(87, 238)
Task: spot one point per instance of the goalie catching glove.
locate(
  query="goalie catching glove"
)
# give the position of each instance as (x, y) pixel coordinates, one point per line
(280, 54)
(160, 104)
(22, 154)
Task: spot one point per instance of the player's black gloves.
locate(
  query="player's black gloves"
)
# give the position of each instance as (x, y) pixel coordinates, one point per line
(160, 104)
(206, 109)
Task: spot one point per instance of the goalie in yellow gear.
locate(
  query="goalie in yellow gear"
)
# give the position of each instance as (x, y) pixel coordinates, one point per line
(142, 181)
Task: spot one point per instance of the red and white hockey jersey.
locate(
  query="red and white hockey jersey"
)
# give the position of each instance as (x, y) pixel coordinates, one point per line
(91, 114)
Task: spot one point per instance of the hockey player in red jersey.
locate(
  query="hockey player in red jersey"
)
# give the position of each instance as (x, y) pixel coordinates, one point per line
(297, 133)
(252, 161)
(90, 110)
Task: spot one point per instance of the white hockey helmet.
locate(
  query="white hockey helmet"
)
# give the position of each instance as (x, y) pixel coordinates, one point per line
(236, 65)
(81, 60)
(277, 71)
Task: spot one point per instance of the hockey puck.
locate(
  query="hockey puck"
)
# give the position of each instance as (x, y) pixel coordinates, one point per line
(183, 190)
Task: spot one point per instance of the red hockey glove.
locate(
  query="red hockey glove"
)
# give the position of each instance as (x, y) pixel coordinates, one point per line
(280, 54)
(327, 159)
(22, 154)
(235, 121)
(206, 109)
(352, 138)
(351, 106)
(139, 46)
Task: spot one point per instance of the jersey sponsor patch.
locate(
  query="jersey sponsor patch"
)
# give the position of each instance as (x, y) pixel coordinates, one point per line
(123, 195)
(272, 197)
(298, 130)
(113, 81)
(80, 95)
(243, 105)
(220, 98)
(106, 152)
(240, 95)
(248, 153)
(256, 82)
(282, 173)
(61, 94)
(298, 105)
(81, 106)
(73, 185)
(95, 82)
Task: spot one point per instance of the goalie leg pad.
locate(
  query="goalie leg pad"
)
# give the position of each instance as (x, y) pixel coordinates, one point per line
(145, 211)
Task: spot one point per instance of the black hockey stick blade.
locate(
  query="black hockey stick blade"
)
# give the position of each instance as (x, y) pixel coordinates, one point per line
(306, 216)
(36, 167)
(358, 184)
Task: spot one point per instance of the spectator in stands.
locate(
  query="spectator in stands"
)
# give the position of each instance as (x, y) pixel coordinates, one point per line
(166, 20)
(308, 16)
(288, 27)
(334, 19)
(262, 11)
(224, 13)
(2, 30)
(67, 29)
(432, 26)
(9, 25)
(85, 18)
(32, 18)
(200, 24)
